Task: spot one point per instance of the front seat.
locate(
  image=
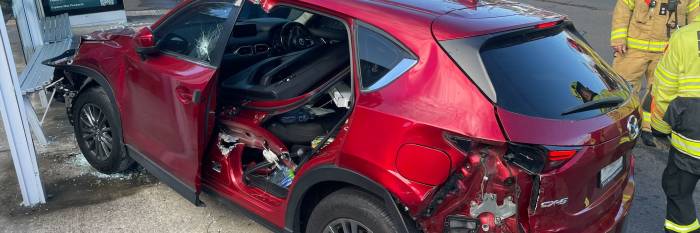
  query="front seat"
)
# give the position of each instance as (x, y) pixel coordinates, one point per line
(289, 75)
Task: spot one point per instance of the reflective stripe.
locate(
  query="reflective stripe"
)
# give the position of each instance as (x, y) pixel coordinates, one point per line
(693, 91)
(689, 88)
(693, 5)
(666, 78)
(618, 36)
(660, 125)
(665, 89)
(646, 117)
(686, 145)
(682, 228)
(624, 140)
(667, 72)
(626, 197)
(620, 30)
(688, 79)
(629, 3)
(619, 33)
(646, 45)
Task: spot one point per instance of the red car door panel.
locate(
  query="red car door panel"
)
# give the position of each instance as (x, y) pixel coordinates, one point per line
(161, 118)
(167, 96)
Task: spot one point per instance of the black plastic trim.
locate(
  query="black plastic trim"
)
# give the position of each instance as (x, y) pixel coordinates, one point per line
(336, 174)
(466, 53)
(163, 175)
(94, 75)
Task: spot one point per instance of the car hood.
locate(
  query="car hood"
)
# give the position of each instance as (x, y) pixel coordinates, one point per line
(110, 34)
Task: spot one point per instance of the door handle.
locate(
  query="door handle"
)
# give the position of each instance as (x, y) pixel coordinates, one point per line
(188, 96)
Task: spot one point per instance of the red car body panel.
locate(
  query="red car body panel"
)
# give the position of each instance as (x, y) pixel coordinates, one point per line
(144, 97)
(433, 99)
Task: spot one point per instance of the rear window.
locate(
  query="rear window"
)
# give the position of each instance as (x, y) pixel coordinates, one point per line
(545, 73)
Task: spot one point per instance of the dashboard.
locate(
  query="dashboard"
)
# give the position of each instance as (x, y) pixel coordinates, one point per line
(255, 38)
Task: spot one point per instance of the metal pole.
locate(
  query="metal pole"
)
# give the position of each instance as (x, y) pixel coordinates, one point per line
(17, 126)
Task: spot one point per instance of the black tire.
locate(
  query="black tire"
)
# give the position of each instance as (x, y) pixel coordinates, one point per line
(93, 133)
(353, 205)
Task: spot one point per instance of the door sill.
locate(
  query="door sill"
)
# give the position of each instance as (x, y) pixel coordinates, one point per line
(258, 219)
(176, 184)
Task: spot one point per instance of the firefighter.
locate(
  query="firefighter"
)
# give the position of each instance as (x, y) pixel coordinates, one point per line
(675, 114)
(640, 31)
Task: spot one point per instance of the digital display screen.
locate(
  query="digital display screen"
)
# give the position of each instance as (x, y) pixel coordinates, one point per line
(78, 7)
(63, 5)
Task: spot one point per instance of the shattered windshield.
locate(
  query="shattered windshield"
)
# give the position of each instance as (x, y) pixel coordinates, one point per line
(194, 32)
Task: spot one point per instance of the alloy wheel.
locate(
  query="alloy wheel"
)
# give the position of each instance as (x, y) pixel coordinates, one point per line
(96, 131)
(345, 225)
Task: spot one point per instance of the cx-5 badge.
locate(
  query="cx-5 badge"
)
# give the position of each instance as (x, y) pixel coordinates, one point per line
(559, 202)
(633, 127)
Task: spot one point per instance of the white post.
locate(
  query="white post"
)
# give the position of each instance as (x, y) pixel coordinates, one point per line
(28, 24)
(17, 127)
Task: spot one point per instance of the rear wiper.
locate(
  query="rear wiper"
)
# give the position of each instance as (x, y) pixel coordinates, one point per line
(595, 104)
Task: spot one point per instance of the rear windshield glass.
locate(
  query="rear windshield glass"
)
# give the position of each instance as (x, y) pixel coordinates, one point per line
(545, 73)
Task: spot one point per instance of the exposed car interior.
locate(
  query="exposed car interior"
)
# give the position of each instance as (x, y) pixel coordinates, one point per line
(285, 89)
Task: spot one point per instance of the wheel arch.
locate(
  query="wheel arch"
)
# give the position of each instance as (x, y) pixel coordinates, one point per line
(93, 78)
(320, 179)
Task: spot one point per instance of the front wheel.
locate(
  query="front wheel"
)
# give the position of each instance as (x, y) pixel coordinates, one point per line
(98, 133)
(350, 211)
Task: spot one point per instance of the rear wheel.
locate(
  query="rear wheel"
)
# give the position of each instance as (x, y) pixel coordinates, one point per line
(98, 133)
(350, 211)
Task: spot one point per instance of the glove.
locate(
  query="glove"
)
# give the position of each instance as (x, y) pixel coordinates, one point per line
(661, 137)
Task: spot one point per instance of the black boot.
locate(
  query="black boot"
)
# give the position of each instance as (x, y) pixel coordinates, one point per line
(648, 139)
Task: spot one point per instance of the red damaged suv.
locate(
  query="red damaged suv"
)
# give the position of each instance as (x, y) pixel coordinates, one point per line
(360, 116)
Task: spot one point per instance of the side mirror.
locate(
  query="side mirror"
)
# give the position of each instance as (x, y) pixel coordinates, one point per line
(145, 44)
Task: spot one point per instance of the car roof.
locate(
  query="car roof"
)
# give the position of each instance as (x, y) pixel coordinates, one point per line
(448, 19)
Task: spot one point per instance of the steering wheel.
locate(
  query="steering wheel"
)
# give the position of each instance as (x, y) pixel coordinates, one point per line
(295, 36)
(176, 43)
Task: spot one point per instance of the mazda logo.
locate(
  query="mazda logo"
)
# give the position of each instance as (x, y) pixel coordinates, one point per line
(633, 127)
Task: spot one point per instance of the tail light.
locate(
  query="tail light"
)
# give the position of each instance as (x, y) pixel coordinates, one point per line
(538, 159)
(547, 25)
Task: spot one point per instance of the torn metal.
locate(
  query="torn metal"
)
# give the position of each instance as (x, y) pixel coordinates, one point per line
(489, 204)
(227, 143)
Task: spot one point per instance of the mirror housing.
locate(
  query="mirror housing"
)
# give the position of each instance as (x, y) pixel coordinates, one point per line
(145, 43)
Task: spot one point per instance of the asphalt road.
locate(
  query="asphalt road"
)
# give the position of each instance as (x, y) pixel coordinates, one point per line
(592, 17)
(138, 5)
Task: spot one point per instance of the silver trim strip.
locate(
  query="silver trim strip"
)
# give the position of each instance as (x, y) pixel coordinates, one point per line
(403, 66)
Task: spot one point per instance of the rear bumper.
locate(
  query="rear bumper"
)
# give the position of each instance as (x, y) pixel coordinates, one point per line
(627, 197)
(597, 219)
